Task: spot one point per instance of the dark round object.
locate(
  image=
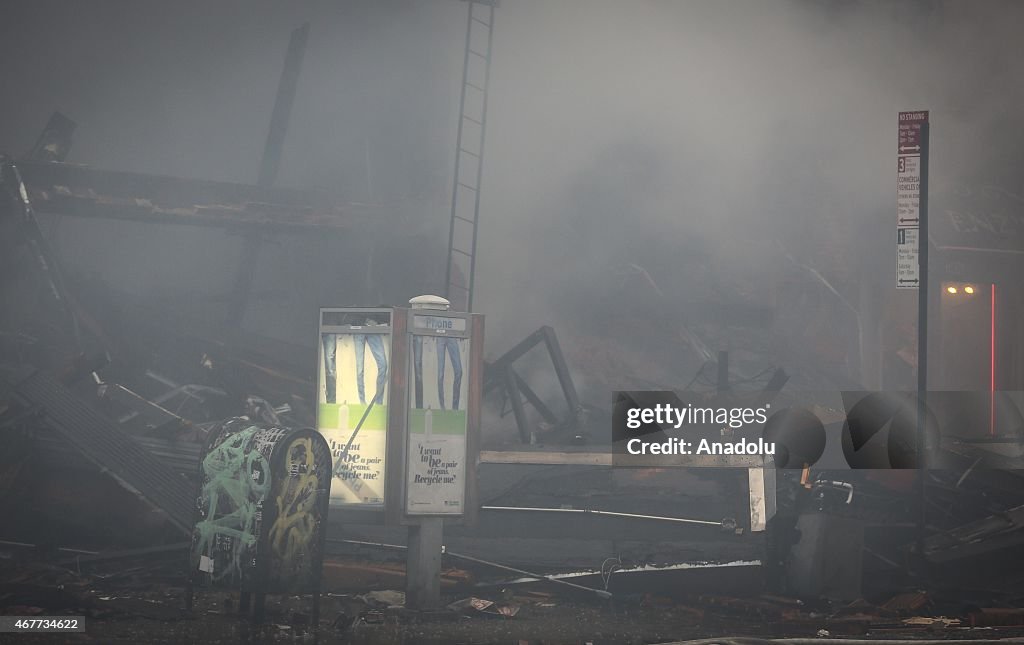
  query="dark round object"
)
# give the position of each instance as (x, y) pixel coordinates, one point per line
(798, 435)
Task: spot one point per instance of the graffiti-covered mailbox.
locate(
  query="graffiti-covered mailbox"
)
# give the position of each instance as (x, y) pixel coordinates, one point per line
(261, 511)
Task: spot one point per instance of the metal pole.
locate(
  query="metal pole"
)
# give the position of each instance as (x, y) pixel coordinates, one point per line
(281, 114)
(599, 592)
(922, 345)
(660, 518)
(238, 299)
(723, 372)
(423, 563)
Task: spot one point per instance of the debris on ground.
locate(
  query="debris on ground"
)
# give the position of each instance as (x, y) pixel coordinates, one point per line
(384, 598)
(479, 605)
(906, 603)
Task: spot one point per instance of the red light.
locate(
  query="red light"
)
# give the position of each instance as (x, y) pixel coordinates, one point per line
(992, 368)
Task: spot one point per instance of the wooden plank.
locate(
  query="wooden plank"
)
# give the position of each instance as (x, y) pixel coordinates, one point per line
(546, 458)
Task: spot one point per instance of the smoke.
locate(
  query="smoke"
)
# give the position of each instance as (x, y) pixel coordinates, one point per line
(653, 132)
(683, 138)
(187, 90)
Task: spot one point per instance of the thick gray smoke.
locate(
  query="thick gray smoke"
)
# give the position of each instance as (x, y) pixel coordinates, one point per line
(638, 132)
(680, 138)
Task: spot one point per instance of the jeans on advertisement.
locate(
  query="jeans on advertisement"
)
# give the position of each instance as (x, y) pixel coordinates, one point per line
(417, 368)
(451, 347)
(376, 343)
(330, 343)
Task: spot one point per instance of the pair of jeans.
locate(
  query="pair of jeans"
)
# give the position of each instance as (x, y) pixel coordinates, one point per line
(417, 368)
(376, 343)
(330, 343)
(446, 347)
(451, 346)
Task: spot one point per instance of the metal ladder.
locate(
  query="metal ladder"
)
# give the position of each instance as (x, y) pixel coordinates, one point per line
(469, 155)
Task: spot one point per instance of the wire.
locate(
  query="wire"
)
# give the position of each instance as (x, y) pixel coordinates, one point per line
(606, 575)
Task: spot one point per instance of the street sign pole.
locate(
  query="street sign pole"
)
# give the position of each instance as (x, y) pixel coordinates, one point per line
(912, 272)
(922, 349)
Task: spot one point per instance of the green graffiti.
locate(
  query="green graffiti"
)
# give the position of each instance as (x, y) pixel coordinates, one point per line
(236, 480)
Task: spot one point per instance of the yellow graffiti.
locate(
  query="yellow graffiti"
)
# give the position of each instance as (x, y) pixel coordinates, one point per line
(296, 517)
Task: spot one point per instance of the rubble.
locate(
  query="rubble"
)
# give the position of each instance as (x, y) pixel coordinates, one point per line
(487, 607)
(140, 599)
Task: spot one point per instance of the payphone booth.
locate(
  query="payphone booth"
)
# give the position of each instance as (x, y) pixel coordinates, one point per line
(356, 388)
(399, 392)
(445, 396)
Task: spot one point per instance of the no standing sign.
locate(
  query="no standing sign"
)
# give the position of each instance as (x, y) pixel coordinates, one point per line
(912, 144)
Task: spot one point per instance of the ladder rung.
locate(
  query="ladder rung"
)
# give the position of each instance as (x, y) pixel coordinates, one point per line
(467, 186)
(476, 53)
(485, 24)
(475, 86)
(469, 118)
(469, 152)
(468, 255)
(468, 221)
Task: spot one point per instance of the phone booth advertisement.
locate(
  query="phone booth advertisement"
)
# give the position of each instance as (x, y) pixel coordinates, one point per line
(353, 396)
(438, 418)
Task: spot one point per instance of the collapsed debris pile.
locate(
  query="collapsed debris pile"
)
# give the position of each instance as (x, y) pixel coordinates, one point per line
(125, 595)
